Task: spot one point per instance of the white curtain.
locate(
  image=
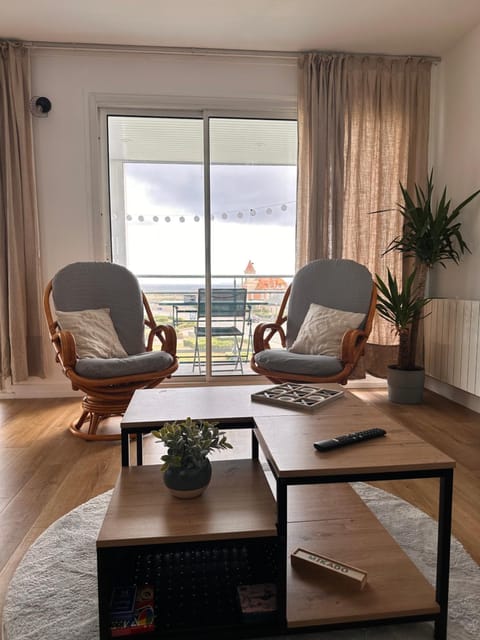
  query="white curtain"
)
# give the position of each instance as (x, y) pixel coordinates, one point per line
(363, 129)
(22, 333)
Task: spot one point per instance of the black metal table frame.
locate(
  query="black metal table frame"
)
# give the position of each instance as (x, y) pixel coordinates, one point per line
(138, 431)
(445, 477)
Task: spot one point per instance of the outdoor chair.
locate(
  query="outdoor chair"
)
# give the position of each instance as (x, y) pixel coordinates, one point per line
(97, 326)
(331, 306)
(229, 316)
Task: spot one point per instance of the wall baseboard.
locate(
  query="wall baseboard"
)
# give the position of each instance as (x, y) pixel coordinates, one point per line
(37, 388)
(40, 389)
(453, 393)
(43, 389)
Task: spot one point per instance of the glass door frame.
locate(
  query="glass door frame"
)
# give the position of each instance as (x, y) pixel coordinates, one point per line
(229, 110)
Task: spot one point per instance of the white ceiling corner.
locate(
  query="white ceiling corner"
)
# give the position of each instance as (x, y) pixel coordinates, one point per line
(415, 27)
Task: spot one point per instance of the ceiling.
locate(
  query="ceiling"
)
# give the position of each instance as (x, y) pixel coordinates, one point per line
(416, 27)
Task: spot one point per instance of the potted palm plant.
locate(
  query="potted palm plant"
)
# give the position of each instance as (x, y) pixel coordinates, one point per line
(401, 308)
(431, 235)
(186, 464)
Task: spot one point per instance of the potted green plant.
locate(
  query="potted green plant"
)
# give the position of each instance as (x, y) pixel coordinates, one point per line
(401, 308)
(187, 469)
(430, 236)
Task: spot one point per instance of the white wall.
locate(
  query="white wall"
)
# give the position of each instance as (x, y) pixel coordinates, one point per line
(74, 80)
(456, 159)
(62, 141)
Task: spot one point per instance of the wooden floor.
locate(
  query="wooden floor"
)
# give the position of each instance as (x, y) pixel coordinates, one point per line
(45, 472)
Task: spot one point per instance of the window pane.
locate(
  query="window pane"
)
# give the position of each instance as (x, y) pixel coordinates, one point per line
(157, 183)
(253, 178)
(253, 196)
(156, 192)
(157, 215)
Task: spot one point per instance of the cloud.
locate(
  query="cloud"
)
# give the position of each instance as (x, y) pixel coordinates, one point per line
(246, 194)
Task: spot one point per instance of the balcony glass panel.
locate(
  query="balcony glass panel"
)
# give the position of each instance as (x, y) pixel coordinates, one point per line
(244, 243)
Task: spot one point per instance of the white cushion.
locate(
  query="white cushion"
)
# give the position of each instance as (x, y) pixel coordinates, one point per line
(322, 330)
(94, 333)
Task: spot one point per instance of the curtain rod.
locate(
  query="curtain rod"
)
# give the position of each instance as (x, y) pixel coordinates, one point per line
(127, 48)
(85, 46)
(391, 56)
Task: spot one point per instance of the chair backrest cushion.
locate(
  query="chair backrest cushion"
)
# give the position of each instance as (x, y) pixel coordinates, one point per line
(337, 284)
(100, 285)
(322, 330)
(94, 333)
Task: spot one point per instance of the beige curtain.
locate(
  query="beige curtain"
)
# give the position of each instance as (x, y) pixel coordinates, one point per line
(22, 341)
(363, 129)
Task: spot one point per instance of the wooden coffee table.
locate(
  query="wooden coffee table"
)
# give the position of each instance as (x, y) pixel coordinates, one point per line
(332, 520)
(315, 507)
(231, 407)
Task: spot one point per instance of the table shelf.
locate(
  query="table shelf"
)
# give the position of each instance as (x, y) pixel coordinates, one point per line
(194, 554)
(332, 520)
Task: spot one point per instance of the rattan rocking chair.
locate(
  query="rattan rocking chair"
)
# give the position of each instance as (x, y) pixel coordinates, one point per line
(340, 290)
(84, 291)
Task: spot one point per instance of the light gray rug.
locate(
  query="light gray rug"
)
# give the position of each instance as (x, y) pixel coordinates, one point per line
(53, 594)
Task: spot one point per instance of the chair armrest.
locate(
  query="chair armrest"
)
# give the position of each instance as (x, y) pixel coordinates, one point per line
(353, 344)
(264, 332)
(167, 336)
(66, 349)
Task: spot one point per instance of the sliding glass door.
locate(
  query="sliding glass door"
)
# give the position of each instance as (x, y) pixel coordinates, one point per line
(202, 210)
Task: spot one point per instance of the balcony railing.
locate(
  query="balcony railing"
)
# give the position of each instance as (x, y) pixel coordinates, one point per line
(174, 300)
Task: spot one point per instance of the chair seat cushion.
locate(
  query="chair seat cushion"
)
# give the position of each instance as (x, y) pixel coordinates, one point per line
(146, 362)
(298, 363)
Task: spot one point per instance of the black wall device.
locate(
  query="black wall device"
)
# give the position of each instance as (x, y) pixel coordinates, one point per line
(40, 106)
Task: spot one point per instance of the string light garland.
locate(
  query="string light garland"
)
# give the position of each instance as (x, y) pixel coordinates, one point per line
(233, 214)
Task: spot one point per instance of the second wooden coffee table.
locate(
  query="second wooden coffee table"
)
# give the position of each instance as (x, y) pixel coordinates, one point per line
(329, 519)
(332, 520)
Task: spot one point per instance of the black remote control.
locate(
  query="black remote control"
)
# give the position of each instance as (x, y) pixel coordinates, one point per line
(348, 438)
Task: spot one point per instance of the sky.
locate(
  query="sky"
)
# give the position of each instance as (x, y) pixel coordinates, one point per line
(252, 218)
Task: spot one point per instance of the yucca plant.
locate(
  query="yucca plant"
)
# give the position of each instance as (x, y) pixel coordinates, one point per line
(431, 235)
(400, 307)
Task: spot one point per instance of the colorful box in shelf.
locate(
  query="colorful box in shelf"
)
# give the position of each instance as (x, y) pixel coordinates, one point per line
(132, 611)
(257, 601)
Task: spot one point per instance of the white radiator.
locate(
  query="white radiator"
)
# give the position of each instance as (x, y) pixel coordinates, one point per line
(452, 344)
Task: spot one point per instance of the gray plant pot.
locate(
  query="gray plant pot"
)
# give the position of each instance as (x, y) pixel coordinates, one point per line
(405, 387)
(188, 483)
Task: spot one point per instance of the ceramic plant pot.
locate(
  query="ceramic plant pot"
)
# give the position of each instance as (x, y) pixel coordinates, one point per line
(188, 483)
(405, 387)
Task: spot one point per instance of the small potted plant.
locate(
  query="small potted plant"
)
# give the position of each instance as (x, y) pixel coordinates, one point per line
(187, 469)
(401, 307)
